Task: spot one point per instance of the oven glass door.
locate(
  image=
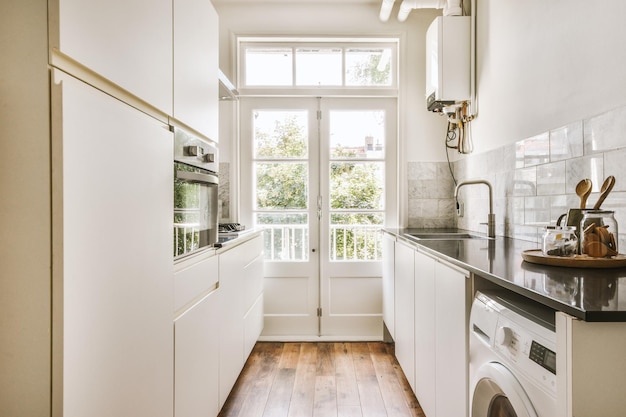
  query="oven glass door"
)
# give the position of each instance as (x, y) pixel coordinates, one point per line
(195, 209)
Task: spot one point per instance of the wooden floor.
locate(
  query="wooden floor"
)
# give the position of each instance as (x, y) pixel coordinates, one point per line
(322, 379)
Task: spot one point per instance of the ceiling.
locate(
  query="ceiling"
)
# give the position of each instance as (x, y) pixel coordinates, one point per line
(299, 1)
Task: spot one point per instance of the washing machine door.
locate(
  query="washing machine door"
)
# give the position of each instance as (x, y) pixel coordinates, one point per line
(497, 393)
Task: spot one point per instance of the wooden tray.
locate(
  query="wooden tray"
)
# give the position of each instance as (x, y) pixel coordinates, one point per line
(535, 256)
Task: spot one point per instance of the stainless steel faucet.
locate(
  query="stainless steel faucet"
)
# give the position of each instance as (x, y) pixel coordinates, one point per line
(491, 220)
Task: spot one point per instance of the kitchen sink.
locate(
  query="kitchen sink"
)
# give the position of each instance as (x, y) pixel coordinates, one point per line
(444, 236)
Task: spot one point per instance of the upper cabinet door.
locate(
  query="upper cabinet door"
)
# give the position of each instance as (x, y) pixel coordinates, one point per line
(196, 65)
(128, 42)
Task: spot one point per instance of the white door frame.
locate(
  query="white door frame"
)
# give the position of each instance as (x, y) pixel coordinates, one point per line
(295, 290)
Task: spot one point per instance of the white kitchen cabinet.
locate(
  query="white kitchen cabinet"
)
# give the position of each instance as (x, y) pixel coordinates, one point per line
(425, 349)
(590, 367)
(404, 309)
(252, 294)
(432, 300)
(196, 65)
(197, 359)
(241, 300)
(113, 275)
(128, 42)
(452, 305)
(388, 283)
(196, 336)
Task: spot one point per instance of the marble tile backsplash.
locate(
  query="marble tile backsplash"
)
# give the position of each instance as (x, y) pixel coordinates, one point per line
(533, 180)
(223, 193)
(431, 191)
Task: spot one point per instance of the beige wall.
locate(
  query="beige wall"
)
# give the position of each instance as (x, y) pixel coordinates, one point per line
(25, 231)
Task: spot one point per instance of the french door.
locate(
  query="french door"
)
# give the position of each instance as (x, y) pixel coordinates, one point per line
(320, 176)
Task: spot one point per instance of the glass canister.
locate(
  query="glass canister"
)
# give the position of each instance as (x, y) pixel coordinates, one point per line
(599, 234)
(560, 241)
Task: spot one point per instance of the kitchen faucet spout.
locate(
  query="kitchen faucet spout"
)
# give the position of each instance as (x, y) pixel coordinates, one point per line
(491, 220)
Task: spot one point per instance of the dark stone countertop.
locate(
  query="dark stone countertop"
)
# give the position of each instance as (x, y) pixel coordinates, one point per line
(587, 293)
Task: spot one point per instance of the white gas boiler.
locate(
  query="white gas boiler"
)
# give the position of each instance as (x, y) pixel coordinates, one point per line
(447, 62)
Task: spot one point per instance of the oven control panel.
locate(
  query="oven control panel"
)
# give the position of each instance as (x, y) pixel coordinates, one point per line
(192, 150)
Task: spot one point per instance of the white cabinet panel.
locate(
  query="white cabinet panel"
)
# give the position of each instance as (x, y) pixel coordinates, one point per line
(197, 359)
(452, 303)
(240, 267)
(113, 214)
(404, 310)
(196, 84)
(425, 352)
(252, 326)
(252, 272)
(388, 283)
(194, 277)
(128, 42)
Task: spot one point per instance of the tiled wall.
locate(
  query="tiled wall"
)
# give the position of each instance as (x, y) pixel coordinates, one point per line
(431, 189)
(533, 180)
(223, 193)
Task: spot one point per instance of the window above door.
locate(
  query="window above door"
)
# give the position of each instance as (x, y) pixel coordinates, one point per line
(318, 67)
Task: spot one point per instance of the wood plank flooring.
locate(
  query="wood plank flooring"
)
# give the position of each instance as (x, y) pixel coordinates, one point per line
(354, 379)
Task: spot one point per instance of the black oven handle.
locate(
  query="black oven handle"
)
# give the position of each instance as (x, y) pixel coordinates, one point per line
(197, 177)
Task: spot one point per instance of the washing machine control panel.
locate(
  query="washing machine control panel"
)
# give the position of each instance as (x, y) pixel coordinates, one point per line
(543, 356)
(528, 348)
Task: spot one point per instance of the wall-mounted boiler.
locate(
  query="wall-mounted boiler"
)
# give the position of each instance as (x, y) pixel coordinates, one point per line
(447, 62)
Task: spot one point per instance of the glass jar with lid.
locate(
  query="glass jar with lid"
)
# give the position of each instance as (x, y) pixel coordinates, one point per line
(560, 241)
(599, 234)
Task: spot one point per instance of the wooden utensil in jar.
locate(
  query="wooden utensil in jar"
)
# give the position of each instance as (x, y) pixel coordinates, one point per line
(598, 242)
(607, 186)
(583, 189)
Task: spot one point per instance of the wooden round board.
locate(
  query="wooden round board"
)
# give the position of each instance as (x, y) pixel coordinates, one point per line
(579, 261)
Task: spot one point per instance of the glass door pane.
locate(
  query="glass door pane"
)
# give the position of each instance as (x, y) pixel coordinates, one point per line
(281, 173)
(356, 183)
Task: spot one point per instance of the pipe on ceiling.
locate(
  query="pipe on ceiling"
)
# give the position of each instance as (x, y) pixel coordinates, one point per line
(450, 7)
(385, 10)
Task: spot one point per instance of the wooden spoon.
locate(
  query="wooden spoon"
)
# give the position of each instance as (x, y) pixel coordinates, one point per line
(583, 189)
(607, 186)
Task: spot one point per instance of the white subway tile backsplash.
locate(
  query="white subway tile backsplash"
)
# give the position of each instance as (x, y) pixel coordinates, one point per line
(537, 211)
(534, 180)
(591, 167)
(559, 205)
(551, 178)
(566, 142)
(605, 131)
(525, 182)
(536, 150)
(614, 164)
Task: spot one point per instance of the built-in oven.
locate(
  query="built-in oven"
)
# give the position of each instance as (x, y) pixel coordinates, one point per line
(195, 194)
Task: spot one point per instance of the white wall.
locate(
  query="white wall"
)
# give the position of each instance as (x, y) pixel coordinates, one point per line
(543, 64)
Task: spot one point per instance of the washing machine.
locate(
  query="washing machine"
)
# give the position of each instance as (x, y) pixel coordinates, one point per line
(512, 357)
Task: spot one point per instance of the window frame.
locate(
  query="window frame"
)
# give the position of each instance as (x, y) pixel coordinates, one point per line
(322, 43)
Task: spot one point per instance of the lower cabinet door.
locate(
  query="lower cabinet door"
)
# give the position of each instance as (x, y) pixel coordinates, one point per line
(452, 302)
(425, 351)
(405, 310)
(196, 360)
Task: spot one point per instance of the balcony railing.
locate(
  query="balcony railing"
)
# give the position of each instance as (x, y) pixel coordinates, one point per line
(354, 243)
